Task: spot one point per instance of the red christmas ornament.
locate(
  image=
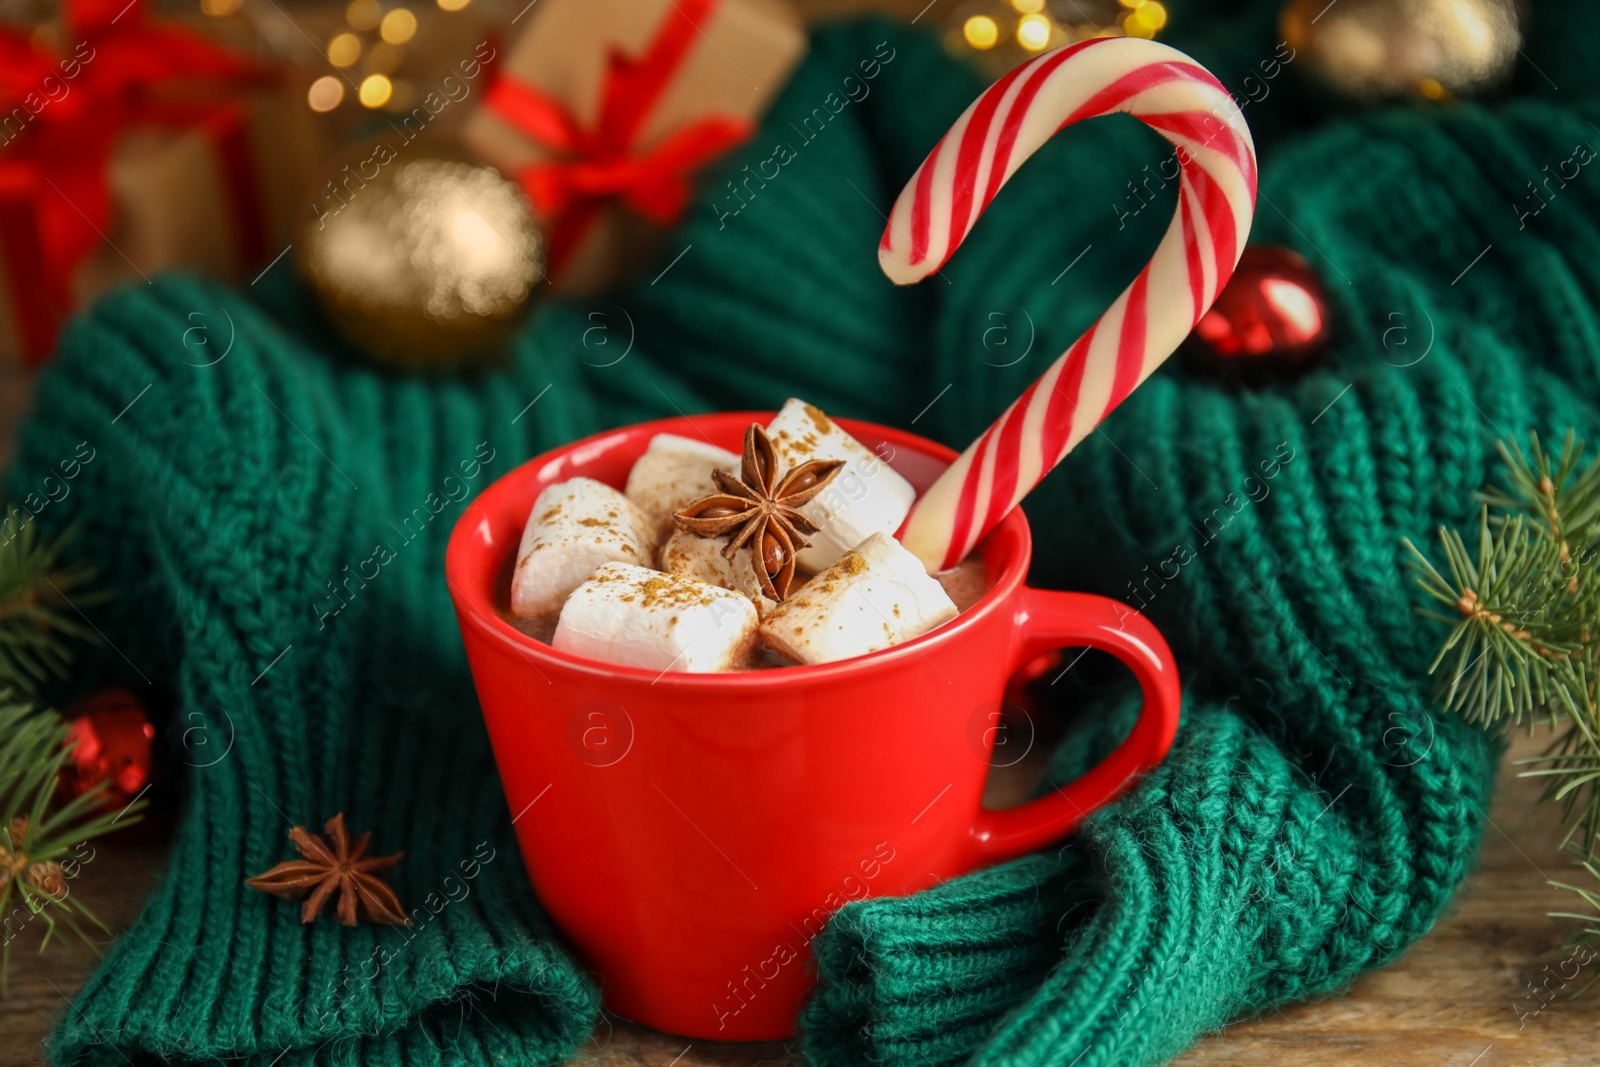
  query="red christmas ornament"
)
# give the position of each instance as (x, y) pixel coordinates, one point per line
(112, 741)
(1271, 317)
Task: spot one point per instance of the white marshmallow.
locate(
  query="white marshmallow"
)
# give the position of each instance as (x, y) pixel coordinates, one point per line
(864, 498)
(575, 526)
(876, 595)
(639, 617)
(692, 556)
(673, 472)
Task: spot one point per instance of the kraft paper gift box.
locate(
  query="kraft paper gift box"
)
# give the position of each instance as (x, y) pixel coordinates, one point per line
(604, 110)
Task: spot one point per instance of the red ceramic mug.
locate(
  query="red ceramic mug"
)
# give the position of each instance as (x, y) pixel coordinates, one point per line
(692, 833)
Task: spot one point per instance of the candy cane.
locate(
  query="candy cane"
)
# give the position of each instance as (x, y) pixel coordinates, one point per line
(1180, 99)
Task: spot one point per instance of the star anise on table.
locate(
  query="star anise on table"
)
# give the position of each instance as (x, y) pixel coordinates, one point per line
(331, 864)
(759, 508)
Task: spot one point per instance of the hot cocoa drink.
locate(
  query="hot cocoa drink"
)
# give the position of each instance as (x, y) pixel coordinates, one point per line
(707, 561)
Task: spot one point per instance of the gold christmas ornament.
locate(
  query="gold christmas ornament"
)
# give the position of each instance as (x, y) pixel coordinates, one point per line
(421, 261)
(1374, 49)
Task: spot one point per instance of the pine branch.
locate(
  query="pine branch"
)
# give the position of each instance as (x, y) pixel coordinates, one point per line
(1592, 899)
(1514, 649)
(1525, 629)
(39, 620)
(39, 842)
(39, 839)
(1571, 769)
(1565, 500)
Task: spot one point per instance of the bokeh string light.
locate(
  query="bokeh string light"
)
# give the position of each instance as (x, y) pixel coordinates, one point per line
(1000, 34)
(376, 40)
(375, 90)
(398, 26)
(326, 93)
(364, 15)
(981, 31)
(344, 49)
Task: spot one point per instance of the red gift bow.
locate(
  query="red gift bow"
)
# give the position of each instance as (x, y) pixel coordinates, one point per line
(55, 201)
(603, 163)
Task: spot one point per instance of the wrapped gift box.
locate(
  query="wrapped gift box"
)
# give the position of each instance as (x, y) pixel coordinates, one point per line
(604, 109)
(146, 147)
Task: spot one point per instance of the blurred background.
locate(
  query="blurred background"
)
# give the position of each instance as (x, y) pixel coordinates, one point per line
(223, 135)
(503, 144)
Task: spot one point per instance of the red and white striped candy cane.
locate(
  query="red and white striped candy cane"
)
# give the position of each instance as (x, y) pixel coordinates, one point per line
(1169, 92)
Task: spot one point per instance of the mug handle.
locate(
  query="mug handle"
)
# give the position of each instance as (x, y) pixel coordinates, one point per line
(1050, 620)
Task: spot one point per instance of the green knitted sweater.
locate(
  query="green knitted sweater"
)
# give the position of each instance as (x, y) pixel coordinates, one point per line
(1315, 814)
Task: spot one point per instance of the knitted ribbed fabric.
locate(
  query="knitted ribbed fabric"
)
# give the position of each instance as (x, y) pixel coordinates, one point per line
(1315, 814)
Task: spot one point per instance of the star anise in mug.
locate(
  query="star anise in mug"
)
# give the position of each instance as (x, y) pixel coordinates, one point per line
(330, 864)
(760, 509)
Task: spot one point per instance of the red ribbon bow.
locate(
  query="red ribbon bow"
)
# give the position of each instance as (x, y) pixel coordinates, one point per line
(595, 166)
(55, 200)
